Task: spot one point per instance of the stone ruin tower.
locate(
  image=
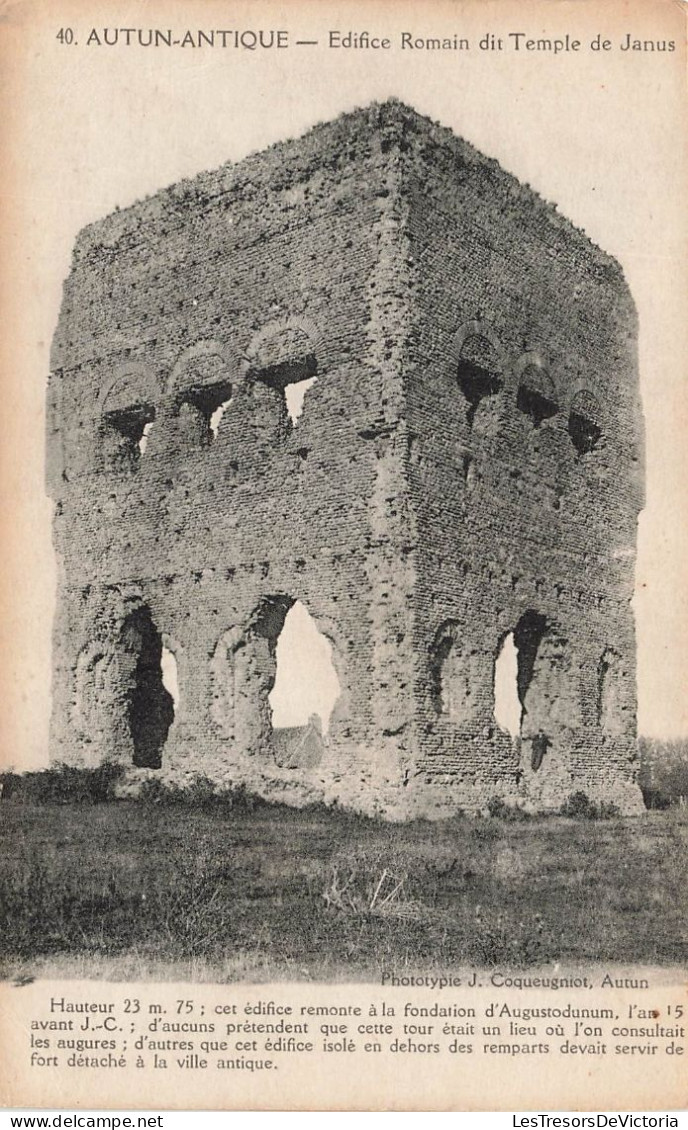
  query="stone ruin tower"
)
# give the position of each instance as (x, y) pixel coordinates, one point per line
(463, 481)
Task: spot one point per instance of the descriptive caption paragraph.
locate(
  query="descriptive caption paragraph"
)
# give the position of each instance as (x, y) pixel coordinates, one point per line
(227, 1031)
(346, 40)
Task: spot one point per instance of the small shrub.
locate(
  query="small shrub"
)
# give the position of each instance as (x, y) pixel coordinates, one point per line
(498, 808)
(608, 810)
(579, 807)
(655, 799)
(238, 798)
(8, 784)
(103, 779)
(200, 792)
(155, 791)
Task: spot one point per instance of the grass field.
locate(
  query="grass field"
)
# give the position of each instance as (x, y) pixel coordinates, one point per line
(276, 893)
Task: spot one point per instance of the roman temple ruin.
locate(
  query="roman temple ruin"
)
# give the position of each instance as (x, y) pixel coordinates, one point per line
(369, 378)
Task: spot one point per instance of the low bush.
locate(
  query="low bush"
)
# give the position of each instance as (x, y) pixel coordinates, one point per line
(498, 808)
(579, 806)
(69, 784)
(200, 793)
(63, 784)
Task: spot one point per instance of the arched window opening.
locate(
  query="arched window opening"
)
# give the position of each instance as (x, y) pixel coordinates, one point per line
(292, 381)
(584, 422)
(514, 670)
(170, 677)
(128, 430)
(507, 705)
(305, 689)
(285, 360)
(295, 395)
(202, 385)
(528, 635)
(209, 404)
(451, 683)
(216, 417)
(150, 705)
(610, 694)
(478, 373)
(143, 442)
(306, 681)
(127, 415)
(536, 398)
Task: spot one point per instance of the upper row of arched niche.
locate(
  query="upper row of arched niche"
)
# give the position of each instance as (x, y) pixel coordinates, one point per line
(488, 379)
(205, 383)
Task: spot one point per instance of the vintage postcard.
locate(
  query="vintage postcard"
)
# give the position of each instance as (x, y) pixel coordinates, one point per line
(344, 606)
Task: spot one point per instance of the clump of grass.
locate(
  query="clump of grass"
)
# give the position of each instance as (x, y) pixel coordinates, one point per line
(363, 883)
(500, 937)
(200, 793)
(433, 896)
(579, 806)
(63, 784)
(50, 911)
(487, 831)
(498, 808)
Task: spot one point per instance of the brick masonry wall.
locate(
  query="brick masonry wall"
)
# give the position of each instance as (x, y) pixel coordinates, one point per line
(510, 517)
(362, 254)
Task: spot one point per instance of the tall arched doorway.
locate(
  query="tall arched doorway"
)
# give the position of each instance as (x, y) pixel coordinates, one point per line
(301, 684)
(150, 705)
(526, 683)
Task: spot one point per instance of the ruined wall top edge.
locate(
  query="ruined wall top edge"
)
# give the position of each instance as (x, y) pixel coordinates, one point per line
(390, 129)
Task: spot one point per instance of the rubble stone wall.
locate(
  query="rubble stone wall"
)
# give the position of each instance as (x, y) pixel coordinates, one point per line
(526, 488)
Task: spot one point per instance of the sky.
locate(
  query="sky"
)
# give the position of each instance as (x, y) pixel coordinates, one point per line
(88, 129)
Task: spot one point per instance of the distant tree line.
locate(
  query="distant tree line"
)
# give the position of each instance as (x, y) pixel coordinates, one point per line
(664, 771)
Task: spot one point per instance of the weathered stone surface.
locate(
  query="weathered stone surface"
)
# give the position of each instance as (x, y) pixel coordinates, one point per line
(467, 464)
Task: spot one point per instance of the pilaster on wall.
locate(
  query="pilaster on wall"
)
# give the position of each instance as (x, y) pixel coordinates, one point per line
(390, 564)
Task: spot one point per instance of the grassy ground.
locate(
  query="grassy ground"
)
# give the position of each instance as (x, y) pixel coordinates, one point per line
(277, 893)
